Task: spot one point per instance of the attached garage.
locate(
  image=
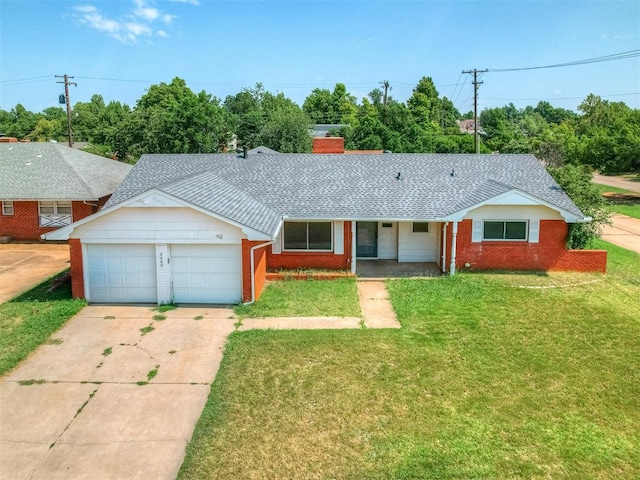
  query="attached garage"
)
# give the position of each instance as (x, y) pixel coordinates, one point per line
(206, 273)
(121, 273)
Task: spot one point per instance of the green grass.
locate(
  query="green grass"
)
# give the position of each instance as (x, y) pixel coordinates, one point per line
(630, 208)
(29, 320)
(485, 380)
(300, 298)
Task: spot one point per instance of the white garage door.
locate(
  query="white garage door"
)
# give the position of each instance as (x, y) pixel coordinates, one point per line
(122, 273)
(206, 273)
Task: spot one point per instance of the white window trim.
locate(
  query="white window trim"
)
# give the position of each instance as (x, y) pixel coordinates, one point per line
(7, 205)
(512, 220)
(284, 226)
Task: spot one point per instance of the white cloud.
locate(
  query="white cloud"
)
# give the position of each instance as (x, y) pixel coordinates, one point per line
(135, 24)
(190, 2)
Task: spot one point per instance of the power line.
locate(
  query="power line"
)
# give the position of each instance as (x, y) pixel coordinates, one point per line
(604, 58)
(18, 81)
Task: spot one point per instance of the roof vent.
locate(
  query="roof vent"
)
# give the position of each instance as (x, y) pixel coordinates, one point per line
(245, 152)
(399, 176)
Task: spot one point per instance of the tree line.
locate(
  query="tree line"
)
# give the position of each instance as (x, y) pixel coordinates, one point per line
(171, 118)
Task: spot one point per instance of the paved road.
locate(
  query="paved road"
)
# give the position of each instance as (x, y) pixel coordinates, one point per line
(23, 266)
(617, 182)
(625, 232)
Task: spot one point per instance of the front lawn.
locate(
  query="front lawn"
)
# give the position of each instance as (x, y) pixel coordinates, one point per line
(300, 298)
(492, 376)
(28, 320)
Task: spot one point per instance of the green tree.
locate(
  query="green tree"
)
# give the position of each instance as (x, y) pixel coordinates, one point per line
(425, 106)
(170, 118)
(339, 106)
(575, 180)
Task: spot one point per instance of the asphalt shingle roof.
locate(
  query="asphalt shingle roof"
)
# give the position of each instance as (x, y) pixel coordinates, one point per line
(262, 187)
(50, 171)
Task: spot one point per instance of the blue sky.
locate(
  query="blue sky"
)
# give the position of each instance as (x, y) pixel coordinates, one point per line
(118, 48)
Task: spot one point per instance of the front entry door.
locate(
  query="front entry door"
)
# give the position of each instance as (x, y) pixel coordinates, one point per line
(366, 239)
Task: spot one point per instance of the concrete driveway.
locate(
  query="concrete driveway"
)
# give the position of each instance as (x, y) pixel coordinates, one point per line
(23, 266)
(115, 395)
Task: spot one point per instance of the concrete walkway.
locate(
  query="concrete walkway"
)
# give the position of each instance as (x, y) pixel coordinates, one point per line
(81, 408)
(376, 309)
(624, 232)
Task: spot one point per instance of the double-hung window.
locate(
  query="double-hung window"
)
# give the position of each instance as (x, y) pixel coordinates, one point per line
(7, 208)
(505, 230)
(307, 236)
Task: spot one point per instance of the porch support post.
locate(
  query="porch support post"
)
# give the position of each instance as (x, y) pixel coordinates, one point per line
(353, 247)
(444, 247)
(454, 238)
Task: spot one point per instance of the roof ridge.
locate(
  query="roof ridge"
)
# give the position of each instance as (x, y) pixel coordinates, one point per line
(92, 194)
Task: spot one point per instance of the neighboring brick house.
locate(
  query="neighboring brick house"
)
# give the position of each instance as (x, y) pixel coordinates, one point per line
(205, 228)
(44, 186)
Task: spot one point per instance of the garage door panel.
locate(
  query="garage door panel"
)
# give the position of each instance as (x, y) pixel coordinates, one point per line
(122, 273)
(206, 273)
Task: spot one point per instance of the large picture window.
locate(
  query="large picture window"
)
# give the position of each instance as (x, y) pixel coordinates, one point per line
(504, 230)
(307, 236)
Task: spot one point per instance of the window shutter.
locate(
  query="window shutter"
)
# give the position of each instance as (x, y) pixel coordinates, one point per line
(338, 237)
(534, 231)
(476, 231)
(276, 247)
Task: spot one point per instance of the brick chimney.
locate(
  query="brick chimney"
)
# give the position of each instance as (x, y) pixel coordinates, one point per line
(328, 145)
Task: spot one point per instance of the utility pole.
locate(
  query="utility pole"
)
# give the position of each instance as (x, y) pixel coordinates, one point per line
(476, 85)
(66, 99)
(385, 84)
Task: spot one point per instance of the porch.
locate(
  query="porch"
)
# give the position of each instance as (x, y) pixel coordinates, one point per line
(395, 269)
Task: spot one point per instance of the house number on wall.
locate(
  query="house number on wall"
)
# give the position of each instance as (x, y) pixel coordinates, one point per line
(161, 260)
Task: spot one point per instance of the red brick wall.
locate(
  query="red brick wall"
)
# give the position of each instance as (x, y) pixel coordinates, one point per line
(328, 145)
(549, 253)
(324, 260)
(77, 271)
(24, 223)
(259, 266)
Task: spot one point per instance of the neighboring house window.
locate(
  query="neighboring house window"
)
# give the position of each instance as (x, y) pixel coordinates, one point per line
(54, 214)
(7, 208)
(420, 227)
(504, 230)
(307, 236)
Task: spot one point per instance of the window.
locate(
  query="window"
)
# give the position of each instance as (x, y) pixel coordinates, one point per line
(502, 230)
(307, 236)
(7, 208)
(420, 227)
(54, 214)
(55, 208)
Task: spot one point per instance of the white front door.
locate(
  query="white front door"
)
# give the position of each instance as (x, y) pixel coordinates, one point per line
(206, 273)
(388, 240)
(121, 273)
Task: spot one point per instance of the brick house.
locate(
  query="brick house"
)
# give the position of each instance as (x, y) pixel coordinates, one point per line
(206, 228)
(45, 186)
